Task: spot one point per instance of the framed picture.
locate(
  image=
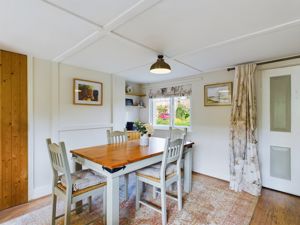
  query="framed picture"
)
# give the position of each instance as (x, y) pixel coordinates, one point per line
(129, 102)
(218, 94)
(87, 92)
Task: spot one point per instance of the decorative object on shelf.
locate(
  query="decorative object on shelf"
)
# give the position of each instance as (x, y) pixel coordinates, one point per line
(146, 130)
(129, 102)
(86, 92)
(218, 94)
(182, 90)
(160, 66)
(129, 89)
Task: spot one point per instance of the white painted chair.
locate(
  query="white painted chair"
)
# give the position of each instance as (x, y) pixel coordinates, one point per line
(117, 137)
(72, 187)
(161, 176)
(175, 133)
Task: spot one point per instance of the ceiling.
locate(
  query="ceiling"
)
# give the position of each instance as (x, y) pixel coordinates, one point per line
(124, 37)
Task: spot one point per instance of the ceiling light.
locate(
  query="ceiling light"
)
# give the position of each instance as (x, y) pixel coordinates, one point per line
(160, 66)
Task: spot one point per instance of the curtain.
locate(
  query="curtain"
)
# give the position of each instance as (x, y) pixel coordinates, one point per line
(244, 165)
(182, 90)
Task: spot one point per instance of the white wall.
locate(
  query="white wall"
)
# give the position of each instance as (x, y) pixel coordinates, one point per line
(54, 115)
(210, 125)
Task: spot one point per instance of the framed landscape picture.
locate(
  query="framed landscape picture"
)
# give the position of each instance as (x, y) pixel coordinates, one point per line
(87, 92)
(218, 94)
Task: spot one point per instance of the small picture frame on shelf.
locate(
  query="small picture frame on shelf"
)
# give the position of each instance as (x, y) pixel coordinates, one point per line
(129, 102)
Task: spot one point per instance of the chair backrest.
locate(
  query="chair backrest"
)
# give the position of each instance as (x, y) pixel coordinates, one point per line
(175, 133)
(115, 137)
(172, 153)
(59, 161)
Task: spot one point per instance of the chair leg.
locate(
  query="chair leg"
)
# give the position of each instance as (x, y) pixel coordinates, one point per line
(126, 176)
(104, 206)
(139, 186)
(53, 214)
(179, 193)
(90, 204)
(68, 211)
(163, 205)
(154, 192)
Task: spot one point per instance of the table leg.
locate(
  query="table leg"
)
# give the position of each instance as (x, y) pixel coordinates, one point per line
(78, 204)
(188, 165)
(112, 212)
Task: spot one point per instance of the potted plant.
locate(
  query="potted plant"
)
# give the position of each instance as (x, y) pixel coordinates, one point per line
(146, 130)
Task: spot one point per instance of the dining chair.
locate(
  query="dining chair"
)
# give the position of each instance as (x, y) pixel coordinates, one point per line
(175, 133)
(72, 187)
(117, 137)
(161, 176)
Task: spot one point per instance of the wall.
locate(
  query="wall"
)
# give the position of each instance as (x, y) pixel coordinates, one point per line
(53, 114)
(133, 113)
(210, 125)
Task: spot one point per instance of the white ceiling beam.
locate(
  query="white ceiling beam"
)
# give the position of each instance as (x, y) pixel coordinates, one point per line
(97, 26)
(138, 8)
(87, 41)
(242, 37)
(130, 13)
(135, 10)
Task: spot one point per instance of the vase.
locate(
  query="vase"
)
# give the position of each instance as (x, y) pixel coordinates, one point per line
(144, 140)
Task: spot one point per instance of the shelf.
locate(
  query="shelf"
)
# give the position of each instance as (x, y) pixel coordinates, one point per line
(136, 106)
(134, 94)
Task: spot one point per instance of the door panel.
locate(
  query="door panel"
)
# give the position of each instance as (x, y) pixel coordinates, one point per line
(279, 136)
(13, 132)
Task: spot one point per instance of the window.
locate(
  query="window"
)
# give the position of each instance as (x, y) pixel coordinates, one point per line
(173, 111)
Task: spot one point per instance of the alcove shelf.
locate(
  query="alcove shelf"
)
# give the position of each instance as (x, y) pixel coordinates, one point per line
(135, 94)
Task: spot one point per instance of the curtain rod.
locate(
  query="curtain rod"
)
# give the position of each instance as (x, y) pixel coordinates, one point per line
(272, 61)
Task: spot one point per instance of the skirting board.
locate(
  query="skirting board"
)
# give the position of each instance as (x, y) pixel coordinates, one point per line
(40, 192)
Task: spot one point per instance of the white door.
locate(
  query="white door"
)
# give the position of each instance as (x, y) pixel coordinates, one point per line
(279, 129)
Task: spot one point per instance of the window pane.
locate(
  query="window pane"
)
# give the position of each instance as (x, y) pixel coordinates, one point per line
(182, 111)
(280, 103)
(161, 111)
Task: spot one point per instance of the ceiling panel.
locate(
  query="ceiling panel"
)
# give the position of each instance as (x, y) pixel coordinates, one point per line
(142, 74)
(175, 26)
(112, 55)
(32, 27)
(98, 11)
(278, 44)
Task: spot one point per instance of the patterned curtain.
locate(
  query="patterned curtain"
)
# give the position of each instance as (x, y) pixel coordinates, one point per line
(183, 90)
(244, 165)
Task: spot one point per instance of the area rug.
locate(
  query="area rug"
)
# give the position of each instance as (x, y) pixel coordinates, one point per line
(210, 203)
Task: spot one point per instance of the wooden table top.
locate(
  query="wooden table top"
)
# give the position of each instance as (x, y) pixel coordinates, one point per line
(113, 156)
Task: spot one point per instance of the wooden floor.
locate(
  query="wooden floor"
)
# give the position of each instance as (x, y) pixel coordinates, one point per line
(273, 208)
(276, 208)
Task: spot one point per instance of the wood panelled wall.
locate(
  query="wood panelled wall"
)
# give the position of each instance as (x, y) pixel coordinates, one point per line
(13, 130)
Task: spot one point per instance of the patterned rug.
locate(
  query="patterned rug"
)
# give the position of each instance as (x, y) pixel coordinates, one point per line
(210, 203)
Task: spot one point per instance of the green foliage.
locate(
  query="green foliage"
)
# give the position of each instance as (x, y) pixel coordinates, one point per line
(160, 121)
(140, 126)
(182, 112)
(162, 109)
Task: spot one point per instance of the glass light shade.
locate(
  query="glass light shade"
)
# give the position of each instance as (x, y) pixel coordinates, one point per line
(160, 66)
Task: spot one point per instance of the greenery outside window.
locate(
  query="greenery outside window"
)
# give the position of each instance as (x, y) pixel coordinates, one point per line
(171, 111)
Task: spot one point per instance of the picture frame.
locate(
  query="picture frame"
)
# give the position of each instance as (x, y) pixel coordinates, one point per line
(129, 102)
(219, 94)
(87, 92)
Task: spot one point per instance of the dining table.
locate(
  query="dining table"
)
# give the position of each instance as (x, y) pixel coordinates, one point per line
(115, 160)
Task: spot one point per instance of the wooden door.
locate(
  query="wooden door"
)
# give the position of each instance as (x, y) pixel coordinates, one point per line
(13, 130)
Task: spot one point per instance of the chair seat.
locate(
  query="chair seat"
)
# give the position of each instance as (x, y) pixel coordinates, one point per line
(83, 179)
(153, 172)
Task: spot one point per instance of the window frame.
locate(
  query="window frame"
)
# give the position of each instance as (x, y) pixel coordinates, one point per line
(172, 114)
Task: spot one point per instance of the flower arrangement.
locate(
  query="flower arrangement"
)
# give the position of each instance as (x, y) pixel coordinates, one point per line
(144, 128)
